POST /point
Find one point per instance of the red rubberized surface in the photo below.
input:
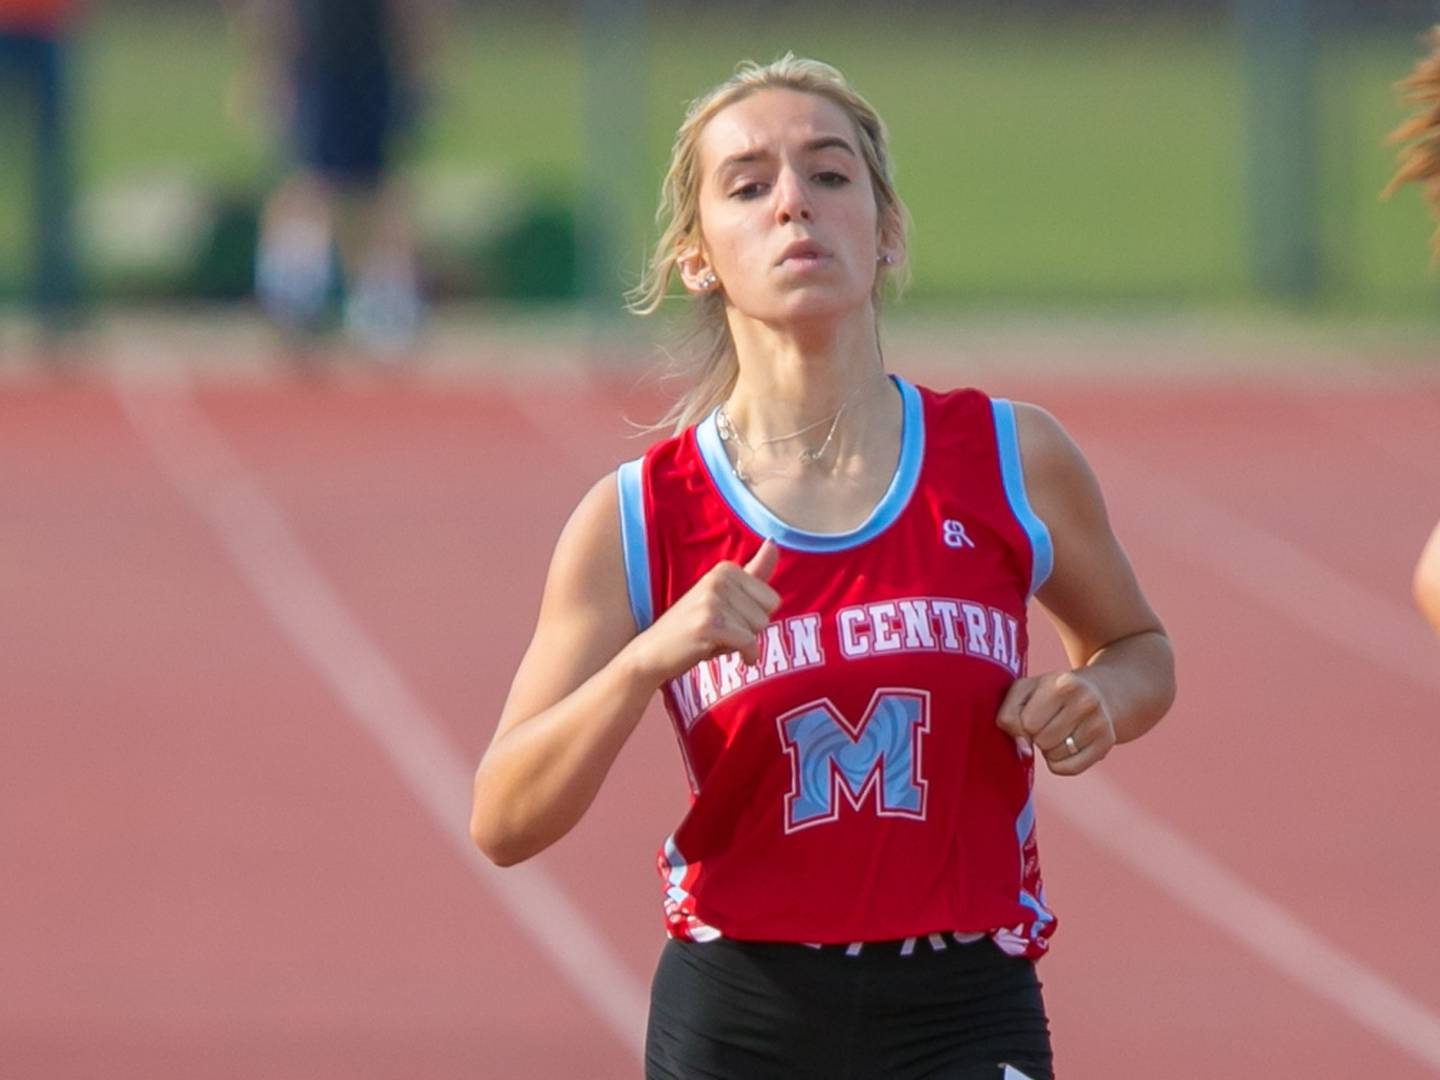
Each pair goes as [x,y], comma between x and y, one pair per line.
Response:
[213,871]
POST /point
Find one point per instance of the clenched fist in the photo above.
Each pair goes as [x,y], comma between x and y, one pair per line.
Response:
[725,611]
[1063,716]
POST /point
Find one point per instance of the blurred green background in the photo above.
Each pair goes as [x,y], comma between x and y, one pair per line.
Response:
[1092,161]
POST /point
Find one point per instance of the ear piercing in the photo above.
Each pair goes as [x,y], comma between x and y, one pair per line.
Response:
[887,259]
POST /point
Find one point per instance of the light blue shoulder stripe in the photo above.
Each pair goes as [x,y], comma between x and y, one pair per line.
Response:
[634,542]
[1012,471]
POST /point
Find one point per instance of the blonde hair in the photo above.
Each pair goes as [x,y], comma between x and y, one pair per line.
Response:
[714,368]
[1419,136]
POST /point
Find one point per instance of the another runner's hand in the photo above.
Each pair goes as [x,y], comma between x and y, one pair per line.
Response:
[725,611]
[1042,711]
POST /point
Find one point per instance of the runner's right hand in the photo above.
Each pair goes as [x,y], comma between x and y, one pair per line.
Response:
[725,611]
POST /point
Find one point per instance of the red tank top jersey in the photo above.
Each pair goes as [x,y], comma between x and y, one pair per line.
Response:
[852,785]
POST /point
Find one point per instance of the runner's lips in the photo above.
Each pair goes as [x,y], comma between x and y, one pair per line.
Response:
[803,249]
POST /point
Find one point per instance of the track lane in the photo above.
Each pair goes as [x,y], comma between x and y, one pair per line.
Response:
[212,852]
[1305,1012]
[1175,984]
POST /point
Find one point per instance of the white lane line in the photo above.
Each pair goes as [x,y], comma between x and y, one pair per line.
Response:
[1281,575]
[1118,824]
[253,531]
[552,413]
[1409,443]
[1291,582]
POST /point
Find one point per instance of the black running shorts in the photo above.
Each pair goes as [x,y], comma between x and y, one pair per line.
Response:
[730,1010]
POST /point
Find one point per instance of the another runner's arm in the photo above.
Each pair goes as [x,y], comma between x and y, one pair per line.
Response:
[1123,677]
[1427,580]
[587,676]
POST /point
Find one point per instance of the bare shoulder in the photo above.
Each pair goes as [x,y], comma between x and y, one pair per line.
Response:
[1427,580]
[1430,557]
[1092,593]
[588,564]
[1058,479]
[584,615]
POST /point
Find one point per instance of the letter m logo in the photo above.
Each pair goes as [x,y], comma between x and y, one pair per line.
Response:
[830,756]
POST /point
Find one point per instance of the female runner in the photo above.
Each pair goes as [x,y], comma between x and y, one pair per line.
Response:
[825,574]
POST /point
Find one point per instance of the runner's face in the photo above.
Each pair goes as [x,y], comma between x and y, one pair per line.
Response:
[788,218]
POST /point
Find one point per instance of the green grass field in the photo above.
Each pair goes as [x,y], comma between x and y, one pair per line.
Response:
[1085,164]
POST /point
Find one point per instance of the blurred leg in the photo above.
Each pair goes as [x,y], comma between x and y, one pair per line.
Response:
[57,292]
[34,94]
[293,264]
[384,308]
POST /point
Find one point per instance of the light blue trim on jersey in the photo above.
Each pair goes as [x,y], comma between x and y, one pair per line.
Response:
[1025,823]
[697,929]
[1012,470]
[763,521]
[1042,916]
[1024,826]
[676,877]
[633,541]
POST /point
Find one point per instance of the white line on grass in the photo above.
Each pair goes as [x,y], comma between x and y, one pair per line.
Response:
[1289,580]
[253,531]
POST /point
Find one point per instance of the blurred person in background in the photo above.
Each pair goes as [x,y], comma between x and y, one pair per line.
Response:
[825,574]
[1419,138]
[36,93]
[346,79]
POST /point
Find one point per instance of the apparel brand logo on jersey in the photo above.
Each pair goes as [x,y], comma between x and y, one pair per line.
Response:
[830,756]
[953,533]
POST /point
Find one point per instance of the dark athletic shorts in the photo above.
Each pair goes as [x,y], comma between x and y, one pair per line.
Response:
[346,122]
[731,1010]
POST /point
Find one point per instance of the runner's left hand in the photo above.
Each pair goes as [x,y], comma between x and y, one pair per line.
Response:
[1042,711]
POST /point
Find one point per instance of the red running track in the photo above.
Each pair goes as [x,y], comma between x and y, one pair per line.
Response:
[218,865]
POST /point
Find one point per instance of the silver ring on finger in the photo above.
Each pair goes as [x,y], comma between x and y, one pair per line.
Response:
[1072,745]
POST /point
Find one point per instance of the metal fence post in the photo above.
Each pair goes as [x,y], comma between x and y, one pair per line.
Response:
[614,86]
[1278,43]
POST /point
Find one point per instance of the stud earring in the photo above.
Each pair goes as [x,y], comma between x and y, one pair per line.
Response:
[887,259]
[708,280]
